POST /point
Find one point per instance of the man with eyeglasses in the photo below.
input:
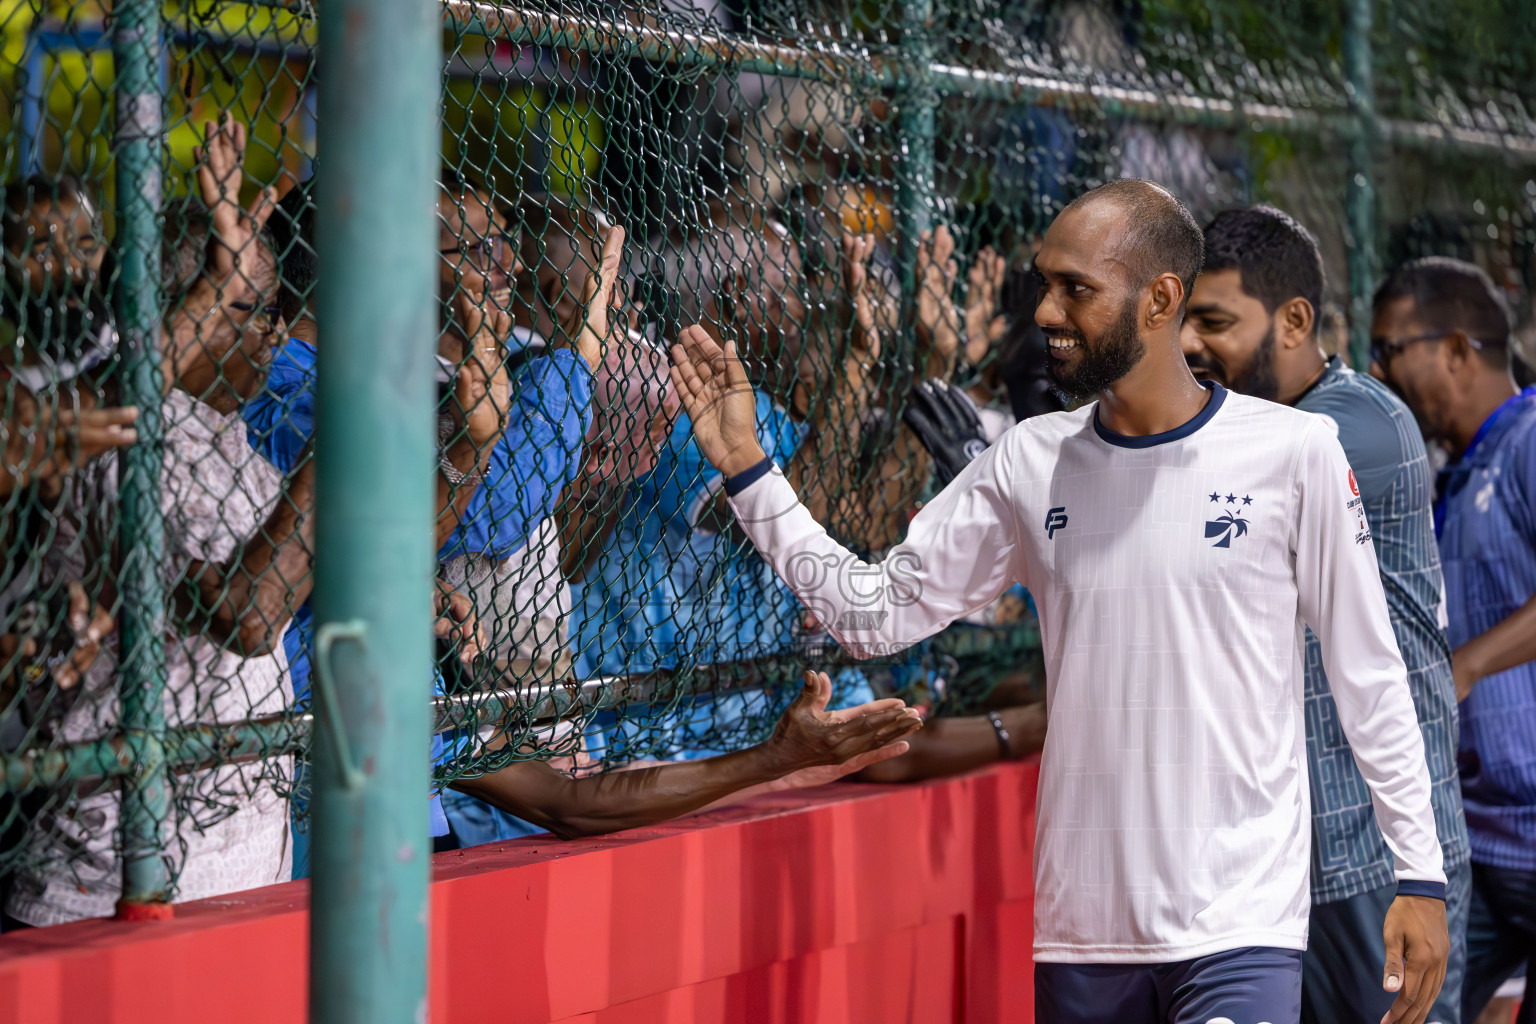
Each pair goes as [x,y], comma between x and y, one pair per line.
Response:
[1253,326]
[1440,337]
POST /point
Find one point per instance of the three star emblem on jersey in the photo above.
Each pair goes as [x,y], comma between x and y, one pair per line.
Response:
[1228,524]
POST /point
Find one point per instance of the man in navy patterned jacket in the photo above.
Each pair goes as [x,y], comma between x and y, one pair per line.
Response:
[1252,325]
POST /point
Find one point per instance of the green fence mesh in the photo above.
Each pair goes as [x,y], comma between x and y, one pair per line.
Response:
[848,190]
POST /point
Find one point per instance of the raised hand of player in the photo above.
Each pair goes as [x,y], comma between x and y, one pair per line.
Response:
[457,623]
[1418,946]
[719,401]
[808,735]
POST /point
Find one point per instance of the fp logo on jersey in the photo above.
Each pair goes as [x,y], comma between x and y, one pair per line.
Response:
[1055,519]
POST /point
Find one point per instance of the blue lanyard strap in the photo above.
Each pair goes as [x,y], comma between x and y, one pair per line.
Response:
[1504,408]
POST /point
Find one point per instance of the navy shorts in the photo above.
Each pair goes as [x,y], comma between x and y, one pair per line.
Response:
[1254,985]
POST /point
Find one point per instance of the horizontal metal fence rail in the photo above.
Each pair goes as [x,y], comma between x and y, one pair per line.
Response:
[836,63]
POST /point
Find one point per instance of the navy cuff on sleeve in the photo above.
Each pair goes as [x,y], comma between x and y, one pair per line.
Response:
[734,485]
[1414,887]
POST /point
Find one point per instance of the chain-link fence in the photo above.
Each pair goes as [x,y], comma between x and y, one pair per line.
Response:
[849,191]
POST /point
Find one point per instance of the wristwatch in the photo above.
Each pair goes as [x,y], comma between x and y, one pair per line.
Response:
[1004,741]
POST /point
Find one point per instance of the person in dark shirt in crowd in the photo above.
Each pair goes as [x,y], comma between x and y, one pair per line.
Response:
[1440,336]
[1252,325]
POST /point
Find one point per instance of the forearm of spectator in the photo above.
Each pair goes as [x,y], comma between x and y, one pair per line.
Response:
[949,746]
[1510,643]
[245,603]
[808,739]
[471,461]
[598,804]
[588,513]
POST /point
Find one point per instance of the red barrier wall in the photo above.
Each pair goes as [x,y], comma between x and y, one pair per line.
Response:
[853,904]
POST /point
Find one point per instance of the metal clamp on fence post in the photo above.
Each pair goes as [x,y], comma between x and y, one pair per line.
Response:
[355,630]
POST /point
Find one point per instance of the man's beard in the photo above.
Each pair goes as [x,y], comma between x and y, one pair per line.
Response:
[1104,363]
[1258,382]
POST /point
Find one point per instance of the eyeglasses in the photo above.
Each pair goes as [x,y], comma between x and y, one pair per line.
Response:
[487,252]
[270,313]
[1384,350]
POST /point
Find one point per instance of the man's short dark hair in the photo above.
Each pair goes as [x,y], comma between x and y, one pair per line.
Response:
[1161,235]
[291,231]
[1453,295]
[1277,258]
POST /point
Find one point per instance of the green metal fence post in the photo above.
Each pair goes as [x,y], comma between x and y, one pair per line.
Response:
[1361,200]
[917,100]
[379,83]
[136,49]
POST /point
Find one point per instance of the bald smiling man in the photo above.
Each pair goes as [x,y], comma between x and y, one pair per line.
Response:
[1177,539]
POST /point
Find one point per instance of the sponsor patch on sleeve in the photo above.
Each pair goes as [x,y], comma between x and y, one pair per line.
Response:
[1356,508]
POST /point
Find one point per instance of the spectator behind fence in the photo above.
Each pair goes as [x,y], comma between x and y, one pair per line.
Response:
[523,600]
[54,327]
[671,588]
[809,745]
[478,428]
[238,557]
[1441,337]
[1253,325]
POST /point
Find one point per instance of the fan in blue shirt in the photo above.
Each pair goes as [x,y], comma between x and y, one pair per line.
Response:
[1441,337]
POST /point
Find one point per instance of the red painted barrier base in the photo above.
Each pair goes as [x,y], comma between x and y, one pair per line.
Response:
[853,904]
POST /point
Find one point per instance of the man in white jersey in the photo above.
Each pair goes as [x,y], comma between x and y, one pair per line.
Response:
[1177,539]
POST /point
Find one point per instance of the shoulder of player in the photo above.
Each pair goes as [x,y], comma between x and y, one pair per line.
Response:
[1051,424]
[1283,433]
[1246,413]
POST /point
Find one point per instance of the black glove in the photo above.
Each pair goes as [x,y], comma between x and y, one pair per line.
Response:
[944,419]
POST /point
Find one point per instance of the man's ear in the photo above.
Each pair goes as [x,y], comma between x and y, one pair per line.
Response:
[1295,321]
[1166,301]
[1459,350]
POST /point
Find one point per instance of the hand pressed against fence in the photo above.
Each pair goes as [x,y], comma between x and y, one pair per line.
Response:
[810,745]
[43,444]
[26,659]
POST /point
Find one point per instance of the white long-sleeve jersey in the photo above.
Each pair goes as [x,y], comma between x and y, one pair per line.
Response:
[1173,575]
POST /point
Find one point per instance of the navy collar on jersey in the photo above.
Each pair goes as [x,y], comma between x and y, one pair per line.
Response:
[1201,418]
